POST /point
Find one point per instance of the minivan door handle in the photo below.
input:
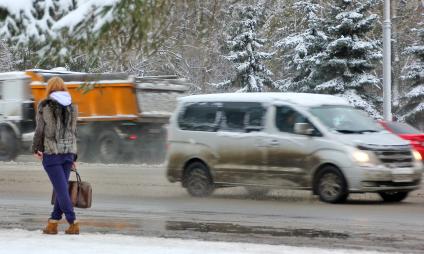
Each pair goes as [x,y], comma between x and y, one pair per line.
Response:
[274,142]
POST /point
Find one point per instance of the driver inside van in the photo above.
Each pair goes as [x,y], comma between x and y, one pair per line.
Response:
[287,118]
[288,123]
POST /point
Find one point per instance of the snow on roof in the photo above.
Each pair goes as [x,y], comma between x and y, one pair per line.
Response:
[13,75]
[303,99]
[57,70]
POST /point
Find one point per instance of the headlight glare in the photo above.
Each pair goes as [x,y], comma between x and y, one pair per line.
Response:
[417,155]
[361,156]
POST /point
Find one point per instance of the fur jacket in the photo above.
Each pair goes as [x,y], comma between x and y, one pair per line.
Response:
[56,126]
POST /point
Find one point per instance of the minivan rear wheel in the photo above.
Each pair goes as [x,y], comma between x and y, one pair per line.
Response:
[331,185]
[396,196]
[198,181]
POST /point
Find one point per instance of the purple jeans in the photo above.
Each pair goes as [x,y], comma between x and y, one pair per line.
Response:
[58,168]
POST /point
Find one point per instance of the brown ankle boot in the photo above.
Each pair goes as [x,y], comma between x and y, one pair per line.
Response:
[51,228]
[73,229]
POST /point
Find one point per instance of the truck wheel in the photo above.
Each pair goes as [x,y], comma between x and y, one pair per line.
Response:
[109,147]
[394,196]
[198,181]
[9,145]
[331,186]
[85,150]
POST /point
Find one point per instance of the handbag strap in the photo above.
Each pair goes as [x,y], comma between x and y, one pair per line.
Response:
[77,175]
[78,180]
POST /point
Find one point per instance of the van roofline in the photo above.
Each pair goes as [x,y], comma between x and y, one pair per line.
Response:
[303,99]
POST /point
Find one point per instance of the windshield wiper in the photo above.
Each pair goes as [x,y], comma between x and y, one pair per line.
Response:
[354,131]
[347,131]
[362,131]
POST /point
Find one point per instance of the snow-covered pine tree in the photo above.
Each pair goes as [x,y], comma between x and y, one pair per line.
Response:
[301,49]
[346,67]
[245,51]
[28,22]
[6,57]
[413,101]
[115,33]
[28,26]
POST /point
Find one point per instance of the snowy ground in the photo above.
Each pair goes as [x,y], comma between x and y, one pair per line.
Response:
[23,241]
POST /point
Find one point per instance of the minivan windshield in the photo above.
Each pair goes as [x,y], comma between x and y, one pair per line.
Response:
[345,119]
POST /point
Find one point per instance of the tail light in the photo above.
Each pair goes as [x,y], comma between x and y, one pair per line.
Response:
[132,137]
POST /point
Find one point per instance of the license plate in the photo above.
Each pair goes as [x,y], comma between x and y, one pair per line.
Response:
[402,178]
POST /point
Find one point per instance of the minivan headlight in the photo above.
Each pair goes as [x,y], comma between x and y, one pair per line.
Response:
[361,156]
[417,155]
[364,158]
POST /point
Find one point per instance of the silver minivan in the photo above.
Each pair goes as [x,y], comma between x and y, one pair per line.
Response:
[287,140]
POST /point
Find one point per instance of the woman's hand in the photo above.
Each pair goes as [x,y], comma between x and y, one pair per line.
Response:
[38,155]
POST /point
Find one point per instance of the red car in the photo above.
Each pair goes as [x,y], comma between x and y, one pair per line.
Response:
[407,132]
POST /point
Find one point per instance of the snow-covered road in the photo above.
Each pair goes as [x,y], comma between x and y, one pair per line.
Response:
[18,241]
[137,200]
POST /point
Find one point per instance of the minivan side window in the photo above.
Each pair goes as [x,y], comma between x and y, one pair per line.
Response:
[242,116]
[256,117]
[286,118]
[199,117]
[233,119]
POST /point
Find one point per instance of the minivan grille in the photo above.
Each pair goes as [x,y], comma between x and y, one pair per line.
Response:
[399,159]
[393,157]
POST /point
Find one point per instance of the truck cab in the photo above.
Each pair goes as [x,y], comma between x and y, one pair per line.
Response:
[17,116]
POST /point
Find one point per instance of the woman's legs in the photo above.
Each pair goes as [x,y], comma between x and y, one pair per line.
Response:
[58,169]
[57,212]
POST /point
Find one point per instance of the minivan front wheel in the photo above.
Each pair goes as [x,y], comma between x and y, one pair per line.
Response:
[331,185]
[198,181]
[393,196]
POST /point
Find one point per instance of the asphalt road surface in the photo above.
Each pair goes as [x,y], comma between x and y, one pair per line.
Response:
[138,200]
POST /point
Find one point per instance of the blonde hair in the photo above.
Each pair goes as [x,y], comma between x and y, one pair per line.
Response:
[55,84]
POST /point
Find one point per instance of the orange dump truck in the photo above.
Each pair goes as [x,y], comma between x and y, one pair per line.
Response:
[121,118]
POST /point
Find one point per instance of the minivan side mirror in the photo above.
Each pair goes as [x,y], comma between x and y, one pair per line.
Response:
[303,129]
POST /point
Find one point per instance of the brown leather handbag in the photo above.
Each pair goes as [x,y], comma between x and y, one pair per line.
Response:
[80,192]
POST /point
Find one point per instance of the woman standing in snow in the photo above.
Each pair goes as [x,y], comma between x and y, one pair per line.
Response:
[55,144]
